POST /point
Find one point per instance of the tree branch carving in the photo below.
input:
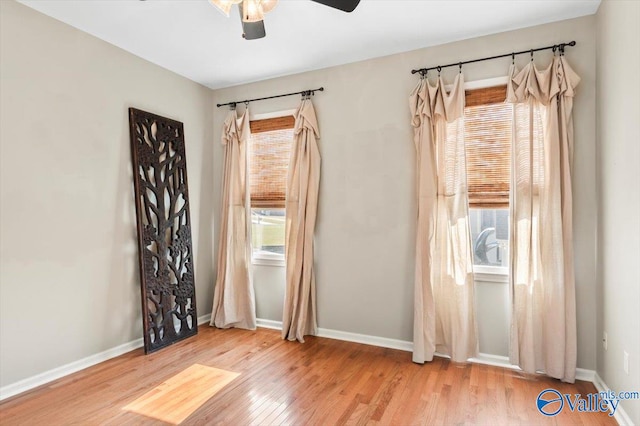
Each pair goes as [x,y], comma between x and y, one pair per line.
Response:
[164,230]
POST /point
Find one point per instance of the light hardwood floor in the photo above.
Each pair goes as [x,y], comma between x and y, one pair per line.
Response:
[322,382]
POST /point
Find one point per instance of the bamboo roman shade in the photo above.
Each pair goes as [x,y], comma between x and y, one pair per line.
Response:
[487,127]
[270,149]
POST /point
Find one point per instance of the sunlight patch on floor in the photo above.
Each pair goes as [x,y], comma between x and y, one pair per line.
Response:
[178,397]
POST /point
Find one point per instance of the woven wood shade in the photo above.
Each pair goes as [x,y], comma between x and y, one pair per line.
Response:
[485,96]
[271,124]
[487,127]
[270,146]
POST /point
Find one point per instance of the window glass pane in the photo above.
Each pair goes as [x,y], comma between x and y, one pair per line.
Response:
[490,236]
[267,232]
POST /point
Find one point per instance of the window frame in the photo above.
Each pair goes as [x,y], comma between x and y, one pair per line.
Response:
[263,258]
[485,273]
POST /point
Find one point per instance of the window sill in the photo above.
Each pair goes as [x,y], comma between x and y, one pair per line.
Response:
[491,274]
[267,259]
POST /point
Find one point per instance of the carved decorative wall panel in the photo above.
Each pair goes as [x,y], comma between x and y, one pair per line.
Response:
[164,229]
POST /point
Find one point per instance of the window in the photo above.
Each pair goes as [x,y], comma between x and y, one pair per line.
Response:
[267,235]
[488,126]
[270,148]
[490,234]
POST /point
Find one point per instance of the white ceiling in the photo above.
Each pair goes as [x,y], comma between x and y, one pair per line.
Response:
[193,39]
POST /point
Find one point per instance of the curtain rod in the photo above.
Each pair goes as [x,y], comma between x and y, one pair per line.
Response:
[303,92]
[559,47]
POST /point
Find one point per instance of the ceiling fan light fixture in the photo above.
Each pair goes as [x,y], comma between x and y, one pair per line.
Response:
[224,6]
[252,11]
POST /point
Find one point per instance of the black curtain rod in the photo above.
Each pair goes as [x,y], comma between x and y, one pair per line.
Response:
[303,92]
[559,47]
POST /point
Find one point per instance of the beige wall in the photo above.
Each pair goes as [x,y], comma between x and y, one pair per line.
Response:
[68,276]
[618,170]
[366,223]
[69,284]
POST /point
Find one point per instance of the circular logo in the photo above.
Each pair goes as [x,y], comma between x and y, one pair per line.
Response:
[549,402]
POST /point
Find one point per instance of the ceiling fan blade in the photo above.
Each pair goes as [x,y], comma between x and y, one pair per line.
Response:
[251,30]
[344,5]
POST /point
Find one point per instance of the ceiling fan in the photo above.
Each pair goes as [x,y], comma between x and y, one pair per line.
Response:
[253,11]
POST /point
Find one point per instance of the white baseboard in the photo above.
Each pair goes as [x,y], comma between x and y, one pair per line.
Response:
[585,375]
[204,319]
[346,336]
[265,323]
[620,415]
[56,373]
[75,366]
[493,360]
[403,345]
[383,342]
[503,361]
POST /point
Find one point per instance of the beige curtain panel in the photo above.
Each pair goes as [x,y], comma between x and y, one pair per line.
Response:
[543,327]
[233,299]
[303,181]
[444,312]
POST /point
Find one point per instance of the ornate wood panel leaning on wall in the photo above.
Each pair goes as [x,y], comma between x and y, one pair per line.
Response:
[164,229]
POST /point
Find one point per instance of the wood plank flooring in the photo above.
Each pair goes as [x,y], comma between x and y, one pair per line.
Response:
[177,398]
[320,382]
